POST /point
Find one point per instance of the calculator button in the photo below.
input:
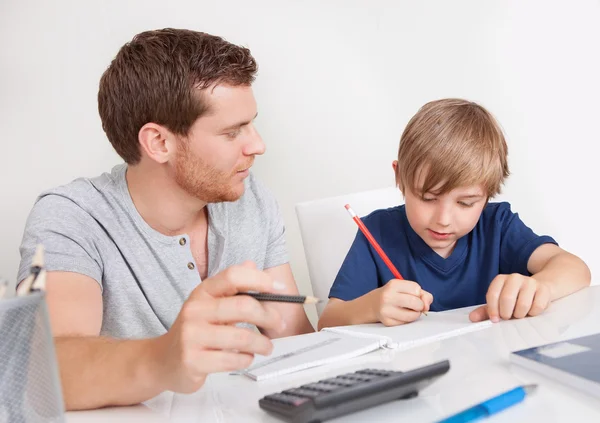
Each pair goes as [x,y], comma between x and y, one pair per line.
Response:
[322,387]
[341,381]
[299,392]
[361,378]
[287,399]
[377,372]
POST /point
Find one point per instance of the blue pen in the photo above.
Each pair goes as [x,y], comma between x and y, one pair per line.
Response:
[491,406]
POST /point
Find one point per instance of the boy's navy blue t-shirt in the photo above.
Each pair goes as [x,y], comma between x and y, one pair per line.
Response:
[500,243]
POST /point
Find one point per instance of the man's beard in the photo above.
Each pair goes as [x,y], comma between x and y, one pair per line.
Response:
[200,180]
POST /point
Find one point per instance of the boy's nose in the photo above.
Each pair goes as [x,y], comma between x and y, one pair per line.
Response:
[443,216]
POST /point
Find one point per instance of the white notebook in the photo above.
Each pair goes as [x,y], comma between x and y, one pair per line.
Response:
[331,345]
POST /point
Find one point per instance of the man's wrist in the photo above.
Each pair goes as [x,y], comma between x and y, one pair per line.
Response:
[152,368]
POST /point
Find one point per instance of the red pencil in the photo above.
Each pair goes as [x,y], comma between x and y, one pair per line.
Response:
[375,245]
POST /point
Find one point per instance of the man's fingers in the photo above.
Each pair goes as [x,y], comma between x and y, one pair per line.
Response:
[223,337]
[493,296]
[223,361]
[479,314]
[236,309]
[238,279]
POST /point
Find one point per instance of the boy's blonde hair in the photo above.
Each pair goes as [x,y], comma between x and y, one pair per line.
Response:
[457,143]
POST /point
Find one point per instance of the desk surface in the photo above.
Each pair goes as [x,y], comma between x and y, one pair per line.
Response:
[479,370]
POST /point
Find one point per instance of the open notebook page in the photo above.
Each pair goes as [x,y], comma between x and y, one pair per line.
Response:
[427,329]
[301,352]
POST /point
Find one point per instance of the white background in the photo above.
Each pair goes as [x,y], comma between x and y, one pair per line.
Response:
[338,81]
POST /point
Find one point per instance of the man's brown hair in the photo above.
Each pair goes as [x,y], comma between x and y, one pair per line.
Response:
[157,77]
[457,143]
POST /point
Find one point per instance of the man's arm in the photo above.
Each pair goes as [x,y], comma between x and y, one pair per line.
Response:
[97,371]
[294,315]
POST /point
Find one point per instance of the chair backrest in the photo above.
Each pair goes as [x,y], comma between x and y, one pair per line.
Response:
[327,232]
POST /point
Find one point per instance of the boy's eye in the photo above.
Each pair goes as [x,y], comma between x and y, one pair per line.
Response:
[462,203]
[428,199]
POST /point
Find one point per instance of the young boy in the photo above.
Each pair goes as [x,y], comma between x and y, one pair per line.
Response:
[453,248]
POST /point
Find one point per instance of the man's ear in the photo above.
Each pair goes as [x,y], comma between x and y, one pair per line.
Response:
[157,142]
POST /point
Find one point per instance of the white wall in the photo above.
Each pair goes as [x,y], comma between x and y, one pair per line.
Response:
[338,80]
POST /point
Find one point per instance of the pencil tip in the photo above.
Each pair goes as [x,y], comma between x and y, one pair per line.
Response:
[530,389]
[312,300]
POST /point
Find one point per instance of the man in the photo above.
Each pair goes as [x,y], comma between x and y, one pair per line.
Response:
[145,262]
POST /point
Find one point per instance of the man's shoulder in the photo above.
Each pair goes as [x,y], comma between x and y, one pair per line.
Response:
[81,196]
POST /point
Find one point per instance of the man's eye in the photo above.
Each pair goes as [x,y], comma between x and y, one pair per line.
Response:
[233,134]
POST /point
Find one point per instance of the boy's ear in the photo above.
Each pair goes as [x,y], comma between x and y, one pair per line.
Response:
[397,177]
[396,174]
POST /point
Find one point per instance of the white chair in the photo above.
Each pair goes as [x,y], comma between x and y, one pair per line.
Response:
[327,232]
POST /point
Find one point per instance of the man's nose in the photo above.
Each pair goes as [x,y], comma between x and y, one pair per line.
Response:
[255,144]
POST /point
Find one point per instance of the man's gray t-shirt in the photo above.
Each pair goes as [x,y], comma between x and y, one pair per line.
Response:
[92,227]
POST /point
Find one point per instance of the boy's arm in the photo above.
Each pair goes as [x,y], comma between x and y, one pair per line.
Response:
[555,274]
[395,303]
[342,313]
[562,272]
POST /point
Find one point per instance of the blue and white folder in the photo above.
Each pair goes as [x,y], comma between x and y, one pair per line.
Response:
[575,362]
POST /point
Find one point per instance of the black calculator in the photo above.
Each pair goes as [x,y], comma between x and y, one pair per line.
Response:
[347,393]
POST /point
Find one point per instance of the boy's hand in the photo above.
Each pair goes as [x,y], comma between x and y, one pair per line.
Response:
[513,296]
[399,302]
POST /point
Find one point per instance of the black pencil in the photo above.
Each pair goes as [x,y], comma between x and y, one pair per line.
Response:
[299,299]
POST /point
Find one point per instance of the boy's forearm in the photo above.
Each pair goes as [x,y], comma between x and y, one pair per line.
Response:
[355,312]
[97,372]
[564,274]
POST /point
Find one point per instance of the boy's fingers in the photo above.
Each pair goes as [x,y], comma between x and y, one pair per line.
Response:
[408,301]
[479,314]
[493,296]
[407,287]
[508,296]
[540,302]
[524,300]
[427,299]
[400,314]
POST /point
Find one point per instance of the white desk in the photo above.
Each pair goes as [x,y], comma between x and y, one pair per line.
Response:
[479,369]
